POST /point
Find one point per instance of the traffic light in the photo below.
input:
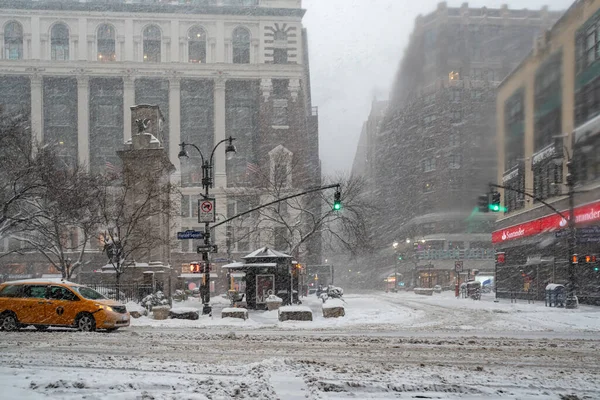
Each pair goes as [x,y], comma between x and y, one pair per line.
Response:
[401,256]
[495,203]
[337,201]
[195,268]
[574,259]
[483,203]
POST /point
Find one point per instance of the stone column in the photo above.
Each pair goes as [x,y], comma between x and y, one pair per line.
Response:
[128,101]
[35,39]
[174,120]
[83,114]
[175,57]
[82,51]
[37,111]
[220,172]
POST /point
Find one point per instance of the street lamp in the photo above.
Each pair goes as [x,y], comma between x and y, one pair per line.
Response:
[407,240]
[207,182]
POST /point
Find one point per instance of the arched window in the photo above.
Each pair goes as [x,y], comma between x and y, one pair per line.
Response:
[13,41]
[241,46]
[59,42]
[106,43]
[196,45]
[152,44]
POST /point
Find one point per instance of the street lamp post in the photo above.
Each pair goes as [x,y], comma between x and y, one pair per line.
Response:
[395,245]
[207,183]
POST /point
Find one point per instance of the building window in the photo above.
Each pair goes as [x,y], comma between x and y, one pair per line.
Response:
[13,41]
[547,179]
[429,119]
[455,95]
[197,45]
[428,165]
[59,42]
[513,200]
[108,115]
[243,239]
[514,130]
[588,46]
[453,140]
[454,161]
[476,94]
[280,240]
[241,46]
[106,43]
[185,206]
[428,187]
[456,116]
[230,209]
[280,112]
[548,102]
[152,44]
[280,56]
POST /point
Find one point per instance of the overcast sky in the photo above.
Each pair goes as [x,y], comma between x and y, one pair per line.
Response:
[355,47]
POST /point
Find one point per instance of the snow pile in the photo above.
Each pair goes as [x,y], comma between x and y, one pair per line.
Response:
[295,309]
[183,310]
[134,307]
[274,299]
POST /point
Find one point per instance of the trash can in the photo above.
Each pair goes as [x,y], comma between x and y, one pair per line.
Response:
[555,295]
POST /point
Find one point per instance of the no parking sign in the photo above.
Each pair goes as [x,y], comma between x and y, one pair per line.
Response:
[206,210]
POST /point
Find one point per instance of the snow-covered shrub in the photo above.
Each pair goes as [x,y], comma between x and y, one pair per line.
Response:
[180,295]
[155,299]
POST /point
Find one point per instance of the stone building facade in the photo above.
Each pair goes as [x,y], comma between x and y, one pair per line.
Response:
[216,68]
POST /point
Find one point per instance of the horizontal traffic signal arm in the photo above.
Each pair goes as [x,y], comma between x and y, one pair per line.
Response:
[317,189]
[493,185]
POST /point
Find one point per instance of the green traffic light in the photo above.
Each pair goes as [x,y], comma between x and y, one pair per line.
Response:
[596,269]
[497,208]
[337,206]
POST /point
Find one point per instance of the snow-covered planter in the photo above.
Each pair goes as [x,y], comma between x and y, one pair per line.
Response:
[155,299]
[274,302]
[184,313]
[160,312]
[333,308]
[295,313]
[232,312]
[424,291]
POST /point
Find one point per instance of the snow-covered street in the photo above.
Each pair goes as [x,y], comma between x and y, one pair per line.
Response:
[388,346]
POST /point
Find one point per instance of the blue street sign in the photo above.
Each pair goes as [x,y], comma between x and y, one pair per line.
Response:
[190,234]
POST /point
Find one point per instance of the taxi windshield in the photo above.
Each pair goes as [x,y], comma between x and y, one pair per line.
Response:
[89,293]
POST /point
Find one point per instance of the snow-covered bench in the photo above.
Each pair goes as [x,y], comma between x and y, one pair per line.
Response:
[232,312]
[184,313]
[333,308]
[295,313]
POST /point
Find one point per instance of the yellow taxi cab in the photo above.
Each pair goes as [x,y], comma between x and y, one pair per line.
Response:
[46,302]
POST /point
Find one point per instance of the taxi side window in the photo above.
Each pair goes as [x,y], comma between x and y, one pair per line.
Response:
[62,293]
[35,291]
[12,291]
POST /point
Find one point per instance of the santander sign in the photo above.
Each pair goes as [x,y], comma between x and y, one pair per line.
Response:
[583,214]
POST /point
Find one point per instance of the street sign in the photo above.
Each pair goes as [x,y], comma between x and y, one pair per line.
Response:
[190,234]
[207,248]
[458,266]
[206,210]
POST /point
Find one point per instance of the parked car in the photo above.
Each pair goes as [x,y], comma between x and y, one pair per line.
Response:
[43,303]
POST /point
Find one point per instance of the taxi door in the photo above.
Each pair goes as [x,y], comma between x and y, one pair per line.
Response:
[32,306]
[62,307]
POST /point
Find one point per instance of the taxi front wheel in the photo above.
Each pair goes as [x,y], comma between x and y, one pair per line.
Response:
[85,322]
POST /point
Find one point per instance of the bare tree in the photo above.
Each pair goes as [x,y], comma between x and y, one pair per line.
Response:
[136,215]
[297,223]
[19,180]
[63,217]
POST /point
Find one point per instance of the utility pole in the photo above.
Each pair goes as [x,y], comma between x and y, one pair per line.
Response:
[571,300]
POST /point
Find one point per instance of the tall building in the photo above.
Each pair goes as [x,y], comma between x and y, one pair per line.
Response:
[548,114]
[216,68]
[435,149]
[364,159]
